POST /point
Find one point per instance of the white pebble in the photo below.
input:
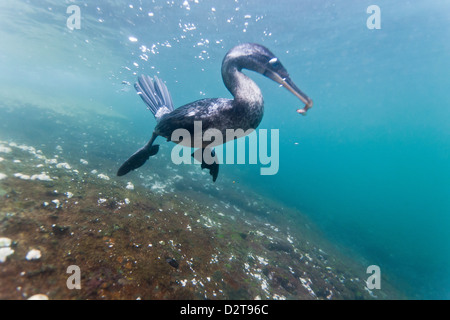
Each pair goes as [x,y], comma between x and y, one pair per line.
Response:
[127,201]
[4,253]
[5,242]
[43,177]
[101,201]
[33,254]
[69,194]
[56,202]
[2,176]
[63,165]
[130,186]
[5,149]
[83,161]
[39,296]
[103,176]
[22,176]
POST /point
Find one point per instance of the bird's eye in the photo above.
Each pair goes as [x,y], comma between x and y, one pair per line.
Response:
[273,61]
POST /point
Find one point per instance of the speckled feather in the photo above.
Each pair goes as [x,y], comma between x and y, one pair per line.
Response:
[219,113]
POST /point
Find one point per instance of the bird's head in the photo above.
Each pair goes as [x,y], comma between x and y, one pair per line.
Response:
[258,58]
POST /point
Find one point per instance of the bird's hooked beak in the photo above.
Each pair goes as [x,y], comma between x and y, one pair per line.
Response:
[290,85]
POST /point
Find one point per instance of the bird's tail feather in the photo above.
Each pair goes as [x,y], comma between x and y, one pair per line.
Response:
[155,95]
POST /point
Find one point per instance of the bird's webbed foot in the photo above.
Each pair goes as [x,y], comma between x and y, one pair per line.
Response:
[208,159]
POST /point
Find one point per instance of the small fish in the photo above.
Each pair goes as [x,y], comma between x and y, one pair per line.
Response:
[302,112]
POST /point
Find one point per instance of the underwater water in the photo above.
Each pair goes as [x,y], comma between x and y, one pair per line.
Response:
[363,179]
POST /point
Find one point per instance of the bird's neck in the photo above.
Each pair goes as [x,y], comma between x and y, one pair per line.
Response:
[245,90]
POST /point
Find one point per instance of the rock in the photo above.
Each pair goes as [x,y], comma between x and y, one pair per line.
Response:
[278,246]
[22,176]
[173,262]
[4,253]
[57,203]
[43,177]
[33,254]
[103,176]
[39,296]
[63,165]
[69,194]
[5,149]
[60,230]
[5,242]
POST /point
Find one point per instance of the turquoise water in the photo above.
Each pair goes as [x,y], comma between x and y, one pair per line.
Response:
[370,162]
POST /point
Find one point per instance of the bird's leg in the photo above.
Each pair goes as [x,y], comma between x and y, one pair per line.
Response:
[139,157]
[213,165]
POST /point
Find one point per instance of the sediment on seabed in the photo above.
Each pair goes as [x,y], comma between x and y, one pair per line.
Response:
[166,234]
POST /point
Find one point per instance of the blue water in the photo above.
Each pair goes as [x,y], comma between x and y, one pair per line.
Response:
[370,162]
